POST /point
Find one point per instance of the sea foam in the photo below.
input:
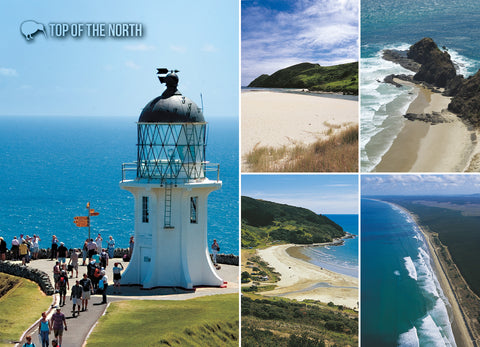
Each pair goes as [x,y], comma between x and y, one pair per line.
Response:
[412,272]
[409,338]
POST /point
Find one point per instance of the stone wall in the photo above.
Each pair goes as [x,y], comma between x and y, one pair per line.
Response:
[35,275]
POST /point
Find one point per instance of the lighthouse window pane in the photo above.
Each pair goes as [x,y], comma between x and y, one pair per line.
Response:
[145,209]
[193,209]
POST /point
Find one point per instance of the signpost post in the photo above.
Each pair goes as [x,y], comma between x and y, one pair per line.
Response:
[84,221]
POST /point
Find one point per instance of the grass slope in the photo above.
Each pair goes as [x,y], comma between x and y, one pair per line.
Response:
[282,322]
[206,321]
[264,222]
[338,78]
[21,304]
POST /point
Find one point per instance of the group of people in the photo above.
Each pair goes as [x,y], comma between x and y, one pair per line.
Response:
[23,248]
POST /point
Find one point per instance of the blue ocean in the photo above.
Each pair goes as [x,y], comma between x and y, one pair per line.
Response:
[402,303]
[51,167]
[341,259]
[393,24]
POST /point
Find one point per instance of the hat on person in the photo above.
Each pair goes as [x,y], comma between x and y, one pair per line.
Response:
[61,243]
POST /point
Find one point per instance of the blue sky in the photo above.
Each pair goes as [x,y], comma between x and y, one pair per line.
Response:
[278,34]
[116,76]
[321,193]
[407,184]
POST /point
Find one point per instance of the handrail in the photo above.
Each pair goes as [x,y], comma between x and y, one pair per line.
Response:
[133,167]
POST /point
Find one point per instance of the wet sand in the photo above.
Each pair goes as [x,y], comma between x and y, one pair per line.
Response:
[301,280]
[422,147]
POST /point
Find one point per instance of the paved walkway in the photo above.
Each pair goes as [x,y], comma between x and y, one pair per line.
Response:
[79,327]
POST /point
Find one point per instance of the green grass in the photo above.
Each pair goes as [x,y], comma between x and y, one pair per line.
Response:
[21,305]
[338,153]
[206,321]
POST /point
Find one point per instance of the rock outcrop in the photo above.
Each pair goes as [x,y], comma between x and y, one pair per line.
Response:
[466,100]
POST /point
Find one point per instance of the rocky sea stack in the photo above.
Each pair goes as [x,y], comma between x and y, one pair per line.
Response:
[434,68]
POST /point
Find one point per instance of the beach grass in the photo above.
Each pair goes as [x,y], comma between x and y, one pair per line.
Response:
[205,321]
[21,304]
[337,153]
[257,268]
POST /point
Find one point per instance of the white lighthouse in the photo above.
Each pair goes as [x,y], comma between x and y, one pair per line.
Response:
[171,192]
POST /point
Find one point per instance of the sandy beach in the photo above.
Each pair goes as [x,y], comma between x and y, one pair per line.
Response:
[421,147]
[459,326]
[276,119]
[301,280]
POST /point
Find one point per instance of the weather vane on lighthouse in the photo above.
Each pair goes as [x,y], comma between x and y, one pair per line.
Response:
[171,191]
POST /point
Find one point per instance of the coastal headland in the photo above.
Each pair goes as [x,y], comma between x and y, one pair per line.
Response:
[437,135]
[462,322]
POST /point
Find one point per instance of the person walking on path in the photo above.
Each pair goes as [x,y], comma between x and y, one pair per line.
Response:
[29,342]
[58,323]
[62,253]
[3,248]
[117,276]
[63,286]
[215,249]
[73,262]
[104,282]
[56,274]
[44,329]
[104,259]
[111,247]
[53,253]
[76,296]
[87,288]
[85,252]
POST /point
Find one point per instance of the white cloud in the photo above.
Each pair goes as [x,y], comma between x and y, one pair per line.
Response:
[140,47]
[7,71]
[178,49]
[130,64]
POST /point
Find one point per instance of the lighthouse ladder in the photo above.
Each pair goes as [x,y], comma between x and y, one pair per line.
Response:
[168,207]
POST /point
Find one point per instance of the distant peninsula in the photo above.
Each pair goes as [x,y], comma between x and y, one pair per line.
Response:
[333,79]
[264,222]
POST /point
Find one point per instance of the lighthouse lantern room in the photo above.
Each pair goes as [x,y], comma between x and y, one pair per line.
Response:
[170,192]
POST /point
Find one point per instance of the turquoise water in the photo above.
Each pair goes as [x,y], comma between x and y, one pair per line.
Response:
[341,259]
[402,302]
[397,25]
[51,166]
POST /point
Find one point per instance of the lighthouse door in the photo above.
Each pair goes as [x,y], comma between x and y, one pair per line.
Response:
[146,261]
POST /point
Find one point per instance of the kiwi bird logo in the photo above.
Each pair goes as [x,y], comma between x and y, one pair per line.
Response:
[29,28]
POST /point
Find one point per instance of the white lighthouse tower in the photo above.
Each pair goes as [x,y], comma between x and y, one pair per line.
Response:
[171,192]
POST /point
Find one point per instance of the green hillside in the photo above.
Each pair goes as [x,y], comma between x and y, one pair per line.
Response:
[338,78]
[264,222]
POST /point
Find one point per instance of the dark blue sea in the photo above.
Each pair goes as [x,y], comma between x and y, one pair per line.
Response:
[50,167]
[341,259]
[397,24]
[402,303]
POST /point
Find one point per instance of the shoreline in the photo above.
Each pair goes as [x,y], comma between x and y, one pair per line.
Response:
[459,325]
[302,280]
[276,119]
[454,141]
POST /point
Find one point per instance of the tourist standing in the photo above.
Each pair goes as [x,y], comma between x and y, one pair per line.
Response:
[44,329]
[35,246]
[215,249]
[92,248]
[3,248]
[85,251]
[53,253]
[98,241]
[130,248]
[76,296]
[117,276]
[58,323]
[23,250]
[104,259]
[87,288]
[111,247]
[15,248]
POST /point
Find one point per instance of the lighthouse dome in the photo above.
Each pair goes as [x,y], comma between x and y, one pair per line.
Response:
[171,106]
